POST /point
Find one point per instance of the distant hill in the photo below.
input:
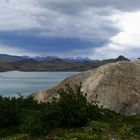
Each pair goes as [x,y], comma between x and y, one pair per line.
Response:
[122,58]
[24,63]
[78,59]
[46,58]
[4,58]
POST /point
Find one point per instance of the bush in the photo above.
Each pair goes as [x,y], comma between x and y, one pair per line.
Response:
[71,110]
[25,115]
[12,113]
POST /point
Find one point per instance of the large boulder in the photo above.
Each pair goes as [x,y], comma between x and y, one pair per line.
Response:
[115,86]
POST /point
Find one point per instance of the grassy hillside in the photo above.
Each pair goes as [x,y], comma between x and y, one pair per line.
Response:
[70,117]
[93,130]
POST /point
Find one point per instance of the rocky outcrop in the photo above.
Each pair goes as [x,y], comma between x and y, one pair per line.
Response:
[47,94]
[115,86]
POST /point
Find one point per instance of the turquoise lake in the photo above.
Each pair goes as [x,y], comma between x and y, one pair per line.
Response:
[14,82]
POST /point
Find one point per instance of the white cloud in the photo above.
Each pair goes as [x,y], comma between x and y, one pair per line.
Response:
[18,15]
[130,34]
[15,51]
[30,14]
[127,41]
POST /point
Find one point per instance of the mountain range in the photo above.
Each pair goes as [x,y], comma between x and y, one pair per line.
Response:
[12,58]
[49,63]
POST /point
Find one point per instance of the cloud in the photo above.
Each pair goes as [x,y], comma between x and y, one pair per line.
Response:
[30,14]
[127,41]
[18,14]
[105,26]
[75,6]
[15,51]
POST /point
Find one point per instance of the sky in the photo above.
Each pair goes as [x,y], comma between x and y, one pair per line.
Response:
[97,29]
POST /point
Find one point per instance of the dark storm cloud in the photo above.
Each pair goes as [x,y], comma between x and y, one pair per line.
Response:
[46,46]
[76,6]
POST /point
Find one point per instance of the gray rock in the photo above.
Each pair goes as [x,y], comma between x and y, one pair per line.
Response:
[115,86]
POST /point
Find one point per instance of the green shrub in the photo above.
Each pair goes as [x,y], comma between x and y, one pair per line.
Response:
[12,113]
[70,110]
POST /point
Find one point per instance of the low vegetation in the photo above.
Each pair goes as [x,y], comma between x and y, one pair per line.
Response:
[70,117]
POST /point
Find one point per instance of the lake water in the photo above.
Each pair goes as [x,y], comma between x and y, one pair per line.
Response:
[14,82]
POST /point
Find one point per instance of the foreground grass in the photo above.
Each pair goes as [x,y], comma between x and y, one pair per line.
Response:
[98,130]
[71,117]
[117,128]
[17,137]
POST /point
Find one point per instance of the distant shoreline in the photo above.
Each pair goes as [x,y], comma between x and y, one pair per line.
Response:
[40,71]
